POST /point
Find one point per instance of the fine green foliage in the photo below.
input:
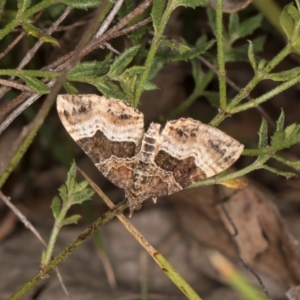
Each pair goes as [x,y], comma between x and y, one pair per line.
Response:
[122,61]
[284,75]
[158,8]
[36,32]
[281,139]
[36,85]
[189,3]
[290,22]
[70,193]
[23,5]
[82,4]
[91,68]
[238,30]
[129,74]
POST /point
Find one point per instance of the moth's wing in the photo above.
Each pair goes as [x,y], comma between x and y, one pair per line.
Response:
[108,130]
[158,183]
[193,151]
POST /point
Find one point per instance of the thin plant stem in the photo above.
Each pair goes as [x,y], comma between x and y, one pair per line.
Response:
[258,77]
[270,150]
[67,251]
[162,262]
[64,62]
[151,54]
[258,164]
[221,57]
[54,234]
[30,54]
[27,14]
[255,102]
[28,225]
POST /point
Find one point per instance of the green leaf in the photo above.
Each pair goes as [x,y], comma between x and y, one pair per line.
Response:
[150,86]
[291,163]
[287,175]
[132,71]
[122,61]
[82,4]
[109,89]
[293,12]
[233,27]
[179,47]
[172,51]
[158,9]
[39,34]
[49,39]
[82,196]
[63,192]
[277,138]
[129,86]
[91,68]
[241,53]
[81,186]
[201,79]
[258,43]
[289,20]
[70,88]
[197,73]
[251,56]
[285,137]
[70,220]
[128,80]
[56,207]
[280,122]
[248,26]
[284,75]
[213,98]
[36,85]
[263,135]
[211,16]
[71,177]
[291,130]
[237,54]
[157,65]
[23,5]
[189,3]
[203,45]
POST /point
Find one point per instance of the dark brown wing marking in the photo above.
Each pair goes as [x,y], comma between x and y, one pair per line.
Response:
[108,130]
[194,151]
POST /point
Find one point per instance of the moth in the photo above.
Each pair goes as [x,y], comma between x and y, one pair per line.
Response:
[148,164]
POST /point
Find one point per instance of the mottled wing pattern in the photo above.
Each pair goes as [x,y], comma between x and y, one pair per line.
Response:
[146,165]
[148,179]
[107,129]
[193,151]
